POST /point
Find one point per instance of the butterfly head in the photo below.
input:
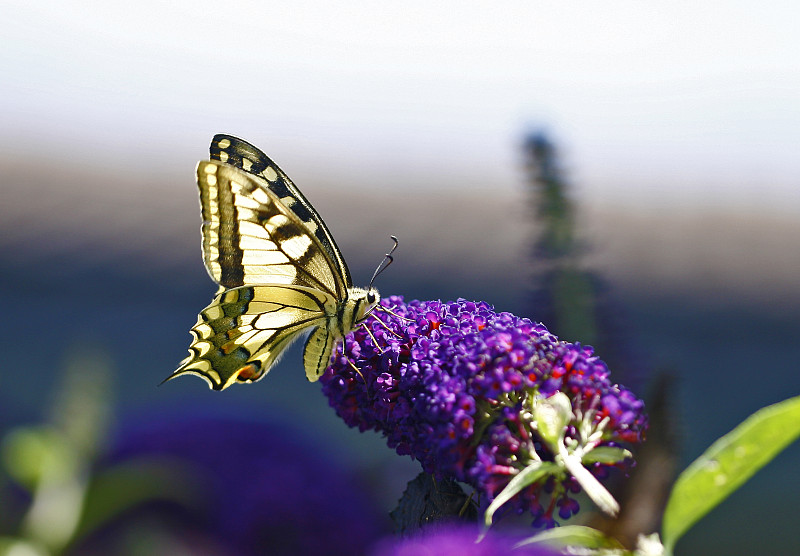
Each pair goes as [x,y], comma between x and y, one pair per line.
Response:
[363,301]
[370,296]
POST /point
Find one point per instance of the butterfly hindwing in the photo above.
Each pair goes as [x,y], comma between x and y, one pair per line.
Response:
[251,237]
[317,352]
[244,331]
[241,154]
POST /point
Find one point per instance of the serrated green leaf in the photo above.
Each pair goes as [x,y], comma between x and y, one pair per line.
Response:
[531,474]
[427,500]
[572,535]
[727,464]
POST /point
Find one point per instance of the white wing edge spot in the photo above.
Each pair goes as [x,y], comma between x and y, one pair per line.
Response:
[270,173]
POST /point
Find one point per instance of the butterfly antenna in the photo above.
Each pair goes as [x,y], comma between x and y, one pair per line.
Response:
[387,260]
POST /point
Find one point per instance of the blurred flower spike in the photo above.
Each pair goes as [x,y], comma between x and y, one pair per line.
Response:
[490,399]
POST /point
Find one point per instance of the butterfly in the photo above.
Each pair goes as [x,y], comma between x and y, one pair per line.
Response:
[279,271]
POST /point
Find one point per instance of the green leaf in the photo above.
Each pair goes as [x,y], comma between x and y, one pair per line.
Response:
[572,535]
[428,500]
[727,464]
[136,482]
[606,454]
[82,406]
[10,546]
[37,454]
[552,416]
[590,485]
[531,474]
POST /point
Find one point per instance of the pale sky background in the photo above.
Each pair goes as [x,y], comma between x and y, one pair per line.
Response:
[653,103]
[678,125]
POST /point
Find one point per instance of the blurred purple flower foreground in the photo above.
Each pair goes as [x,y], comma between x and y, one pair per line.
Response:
[457,541]
[232,486]
[456,386]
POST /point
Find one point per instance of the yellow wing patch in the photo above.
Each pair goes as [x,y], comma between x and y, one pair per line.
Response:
[244,331]
[251,237]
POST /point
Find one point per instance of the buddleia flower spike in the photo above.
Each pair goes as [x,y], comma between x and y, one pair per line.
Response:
[489,399]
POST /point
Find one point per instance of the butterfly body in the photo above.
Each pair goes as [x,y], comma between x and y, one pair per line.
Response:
[279,270]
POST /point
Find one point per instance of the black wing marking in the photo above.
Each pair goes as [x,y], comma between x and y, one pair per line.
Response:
[241,154]
[243,332]
[250,237]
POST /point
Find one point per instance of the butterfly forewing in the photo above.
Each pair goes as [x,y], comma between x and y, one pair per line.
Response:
[251,237]
[243,332]
[241,154]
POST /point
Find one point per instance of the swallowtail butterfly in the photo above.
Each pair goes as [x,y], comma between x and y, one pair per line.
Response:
[279,272]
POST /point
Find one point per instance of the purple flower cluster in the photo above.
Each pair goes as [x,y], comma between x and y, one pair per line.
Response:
[452,384]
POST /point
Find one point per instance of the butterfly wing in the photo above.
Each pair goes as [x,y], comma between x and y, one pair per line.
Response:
[244,331]
[251,237]
[241,154]
[279,270]
[317,352]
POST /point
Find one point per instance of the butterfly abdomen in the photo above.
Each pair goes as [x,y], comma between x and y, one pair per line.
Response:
[339,322]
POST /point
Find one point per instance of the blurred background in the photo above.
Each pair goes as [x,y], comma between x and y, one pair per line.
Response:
[670,131]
